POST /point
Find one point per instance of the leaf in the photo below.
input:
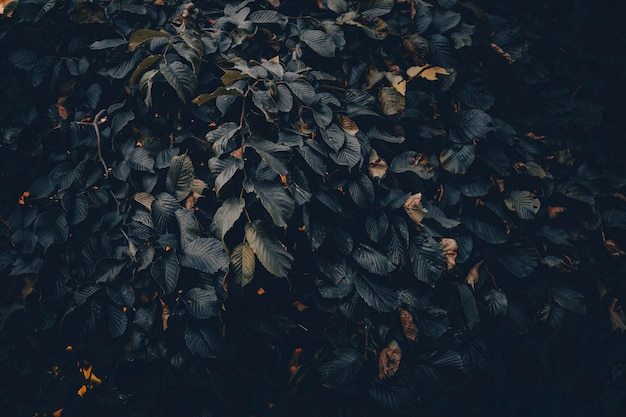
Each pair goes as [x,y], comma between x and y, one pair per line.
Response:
[143,66]
[497,303]
[485,231]
[458,159]
[242,263]
[413,162]
[219,92]
[117,320]
[276,201]
[51,229]
[469,305]
[334,137]
[204,342]
[264,102]
[372,260]
[520,260]
[391,101]
[524,203]
[470,125]
[219,137]
[409,328]
[376,226]
[180,177]
[205,254]
[427,259]
[188,225]
[163,211]
[226,216]
[181,78]
[361,190]
[341,370]
[569,299]
[303,90]
[23,59]
[320,42]
[226,169]
[141,160]
[107,43]
[201,302]
[166,270]
[267,16]
[350,154]
[389,360]
[427,72]
[141,36]
[108,269]
[270,252]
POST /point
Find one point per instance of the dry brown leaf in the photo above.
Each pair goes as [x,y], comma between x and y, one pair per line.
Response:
[553,212]
[408,325]
[347,124]
[473,276]
[449,247]
[618,320]
[397,82]
[165,314]
[413,207]
[427,72]
[377,166]
[237,153]
[389,360]
[613,249]
[503,53]
[29,285]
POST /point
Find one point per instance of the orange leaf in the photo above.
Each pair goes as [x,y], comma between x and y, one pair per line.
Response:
[408,325]
[473,276]
[389,360]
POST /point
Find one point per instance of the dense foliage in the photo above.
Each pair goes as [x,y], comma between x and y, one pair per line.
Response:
[312,208]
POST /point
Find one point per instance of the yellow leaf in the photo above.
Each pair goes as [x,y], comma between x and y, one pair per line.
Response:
[397,82]
[82,390]
[427,72]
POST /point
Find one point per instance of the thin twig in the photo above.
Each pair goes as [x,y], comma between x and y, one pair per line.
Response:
[95,126]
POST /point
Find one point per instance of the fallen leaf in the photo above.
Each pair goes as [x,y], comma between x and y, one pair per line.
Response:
[413,207]
[428,72]
[408,325]
[473,276]
[449,247]
[389,360]
[377,166]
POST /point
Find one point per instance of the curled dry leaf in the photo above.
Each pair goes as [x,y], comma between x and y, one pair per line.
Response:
[613,249]
[473,276]
[413,207]
[408,325]
[377,166]
[427,72]
[553,212]
[389,360]
[165,314]
[449,247]
[618,320]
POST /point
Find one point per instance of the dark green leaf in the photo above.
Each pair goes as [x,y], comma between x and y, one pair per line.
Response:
[51,229]
[270,252]
[470,125]
[372,260]
[524,203]
[204,342]
[361,190]
[379,297]
[226,216]
[107,43]
[303,90]
[242,262]
[205,254]
[428,260]
[278,203]
[117,320]
[457,159]
[341,370]
[569,299]
[201,302]
[469,305]
[320,42]
[163,211]
[181,78]
[520,260]
[180,176]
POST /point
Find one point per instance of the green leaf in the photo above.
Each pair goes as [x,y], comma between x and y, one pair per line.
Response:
[117,320]
[342,369]
[264,102]
[319,41]
[163,211]
[458,159]
[188,225]
[270,252]
[107,269]
[205,254]
[303,90]
[204,342]
[497,303]
[413,162]
[362,191]
[485,231]
[524,203]
[334,137]
[180,177]
[372,260]
[569,299]
[275,199]
[379,297]
[267,16]
[221,135]
[520,260]
[143,66]
[226,216]
[470,125]
[350,153]
[51,229]
[201,302]
[166,270]
[428,260]
[225,170]
[469,304]
[242,263]
[143,35]
[181,78]
[219,92]
[106,44]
